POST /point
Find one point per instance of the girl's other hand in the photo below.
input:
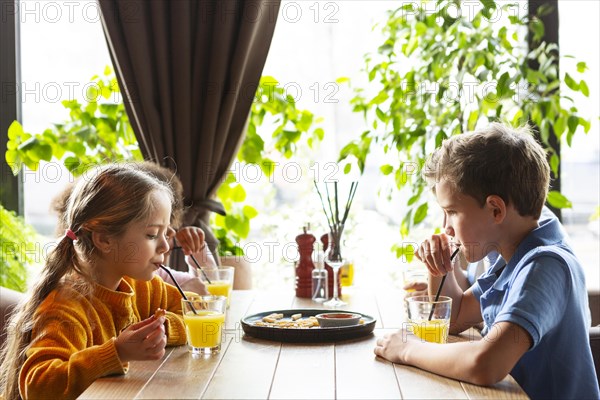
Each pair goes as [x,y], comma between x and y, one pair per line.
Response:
[145,340]
[191,239]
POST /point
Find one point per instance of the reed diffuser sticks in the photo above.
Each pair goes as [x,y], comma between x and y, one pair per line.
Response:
[336,225]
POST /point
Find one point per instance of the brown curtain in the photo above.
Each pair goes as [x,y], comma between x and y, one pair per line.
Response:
[188,71]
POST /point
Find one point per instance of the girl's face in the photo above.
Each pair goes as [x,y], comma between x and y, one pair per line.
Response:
[140,250]
[471,225]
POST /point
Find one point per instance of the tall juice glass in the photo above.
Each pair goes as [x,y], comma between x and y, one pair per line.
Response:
[429,319]
[219,281]
[204,317]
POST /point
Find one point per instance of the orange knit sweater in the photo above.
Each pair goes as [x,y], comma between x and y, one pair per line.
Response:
[72,339]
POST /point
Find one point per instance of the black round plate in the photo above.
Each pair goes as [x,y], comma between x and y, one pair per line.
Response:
[313,335]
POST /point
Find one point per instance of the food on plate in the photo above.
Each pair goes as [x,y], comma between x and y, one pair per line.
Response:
[294,322]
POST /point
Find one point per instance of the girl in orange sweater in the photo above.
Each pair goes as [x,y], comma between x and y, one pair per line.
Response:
[92,310]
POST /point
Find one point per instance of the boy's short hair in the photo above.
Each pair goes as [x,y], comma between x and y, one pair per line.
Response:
[497,160]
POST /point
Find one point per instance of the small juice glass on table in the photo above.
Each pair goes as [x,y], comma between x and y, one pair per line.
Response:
[204,317]
[429,319]
[221,281]
[413,274]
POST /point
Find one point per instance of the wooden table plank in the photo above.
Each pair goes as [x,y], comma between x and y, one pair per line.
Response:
[359,374]
[246,371]
[508,388]
[191,374]
[240,303]
[305,371]
[391,308]
[125,386]
[271,301]
[418,384]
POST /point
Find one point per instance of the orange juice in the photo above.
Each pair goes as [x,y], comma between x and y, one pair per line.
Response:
[435,331]
[204,328]
[220,288]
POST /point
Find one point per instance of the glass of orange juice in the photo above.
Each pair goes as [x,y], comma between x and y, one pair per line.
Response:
[219,281]
[413,274]
[428,318]
[204,317]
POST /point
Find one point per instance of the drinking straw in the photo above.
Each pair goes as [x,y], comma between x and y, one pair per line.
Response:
[197,265]
[200,268]
[437,295]
[178,287]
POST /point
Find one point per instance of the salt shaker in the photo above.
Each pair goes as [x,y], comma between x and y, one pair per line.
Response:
[320,291]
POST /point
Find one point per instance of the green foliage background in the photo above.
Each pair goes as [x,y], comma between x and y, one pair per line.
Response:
[99,132]
[436,75]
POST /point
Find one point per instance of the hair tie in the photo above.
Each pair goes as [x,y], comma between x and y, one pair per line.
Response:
[70,234]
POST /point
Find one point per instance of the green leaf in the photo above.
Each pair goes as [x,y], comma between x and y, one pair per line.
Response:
[342,79]
[554,162]
[583,88]
[572,123]
[581,67]
[586,124]
[249,212]
[570,82]
[319,133]
[347,168]
[559,126]
[15,130]
[472,122]
[381,115]
[386,169]
[558,200]
[545,130]
[537,27]
[238,194]
[544,10]
[421,213]
[411,45]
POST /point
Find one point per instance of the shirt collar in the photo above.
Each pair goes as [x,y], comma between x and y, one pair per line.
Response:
[549,232]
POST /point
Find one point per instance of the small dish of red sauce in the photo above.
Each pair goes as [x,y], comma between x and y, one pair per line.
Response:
[337,319]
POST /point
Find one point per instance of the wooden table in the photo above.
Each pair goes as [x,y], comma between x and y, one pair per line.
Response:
[248,368]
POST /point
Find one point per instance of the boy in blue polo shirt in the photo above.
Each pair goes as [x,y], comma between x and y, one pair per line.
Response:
[492,185]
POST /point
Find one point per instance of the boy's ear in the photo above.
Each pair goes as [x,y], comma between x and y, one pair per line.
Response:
[497,206]
[102,242]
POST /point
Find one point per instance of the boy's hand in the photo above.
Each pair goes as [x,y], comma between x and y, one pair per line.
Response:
[434,252]
[145,340]
[393,347]
[191,239]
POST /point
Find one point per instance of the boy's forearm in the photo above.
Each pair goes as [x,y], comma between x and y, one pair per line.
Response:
[455,360]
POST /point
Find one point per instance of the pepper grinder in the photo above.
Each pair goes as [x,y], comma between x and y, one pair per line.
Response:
[325,241]
[305,265]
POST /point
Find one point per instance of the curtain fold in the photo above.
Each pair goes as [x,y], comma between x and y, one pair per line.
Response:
[188,71]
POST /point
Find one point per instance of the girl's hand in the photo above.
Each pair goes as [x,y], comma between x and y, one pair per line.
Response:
[191,239]
[145,340]
[434,252]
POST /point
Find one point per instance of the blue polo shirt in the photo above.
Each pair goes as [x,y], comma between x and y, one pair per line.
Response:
[542,289]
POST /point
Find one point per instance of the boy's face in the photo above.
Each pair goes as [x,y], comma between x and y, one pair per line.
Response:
[466,221]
